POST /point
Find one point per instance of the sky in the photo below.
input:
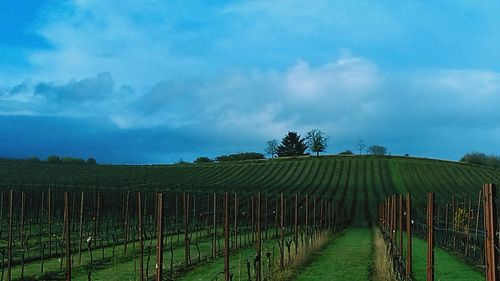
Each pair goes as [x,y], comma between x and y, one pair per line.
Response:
[158,81]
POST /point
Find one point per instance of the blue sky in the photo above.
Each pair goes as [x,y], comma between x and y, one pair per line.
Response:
[156,81]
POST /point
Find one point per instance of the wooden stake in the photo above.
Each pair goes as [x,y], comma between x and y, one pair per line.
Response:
[10,238]
[159,238]
[430,236]
[409,271]
[67,236]
[80,231]
[141,242]
[490,229]
[258,242]
[282,233]
[226,237]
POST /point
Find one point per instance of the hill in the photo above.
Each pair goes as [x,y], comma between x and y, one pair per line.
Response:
[358,182]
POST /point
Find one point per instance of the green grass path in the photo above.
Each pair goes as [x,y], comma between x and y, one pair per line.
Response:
[347,256]
[448,266]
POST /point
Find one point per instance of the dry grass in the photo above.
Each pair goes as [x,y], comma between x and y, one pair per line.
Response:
[302,258]
[382,263]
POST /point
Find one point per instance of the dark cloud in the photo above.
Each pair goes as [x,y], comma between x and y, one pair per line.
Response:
[87,89]
[428,113]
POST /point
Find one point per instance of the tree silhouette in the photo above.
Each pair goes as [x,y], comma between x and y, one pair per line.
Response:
[317,141]
[292,145]
[272,148]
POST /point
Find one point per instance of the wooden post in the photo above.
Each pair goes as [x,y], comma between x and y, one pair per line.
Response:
[141,242]
[400,225]
[430,236]
[296,228]
[185,198]
[235,222]
[21,234]
[67,236]
[490,230]
[282,233]
[214,226]
[408,238]
[10,238]
[80,231]
[226,237]
[394,221]
[127,207]
[477,217]
[314,212]
[159,237]
[49,218]
[258,273]
[307,215]
[467,228]
[453,219]
[266,218]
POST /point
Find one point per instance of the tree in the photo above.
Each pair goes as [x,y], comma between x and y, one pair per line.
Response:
[91,161]
[317,141]
[480,158]
[272,148]
[202,159]
[377,150]
[346,152]
[54,159]
[361,146]
[292,145]
[240,156]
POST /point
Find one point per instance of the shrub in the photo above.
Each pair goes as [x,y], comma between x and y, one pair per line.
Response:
[202,159]
[73,161]
[91,161]
[240,156]
[482,159]
[377,150]
[54,159]
[347,152]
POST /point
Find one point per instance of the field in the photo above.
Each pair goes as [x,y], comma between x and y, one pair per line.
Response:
[341,191]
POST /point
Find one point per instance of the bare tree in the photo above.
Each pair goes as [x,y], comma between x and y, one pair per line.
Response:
[272,148]
[361,145]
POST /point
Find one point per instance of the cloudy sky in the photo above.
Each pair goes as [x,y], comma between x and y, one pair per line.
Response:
[155,81]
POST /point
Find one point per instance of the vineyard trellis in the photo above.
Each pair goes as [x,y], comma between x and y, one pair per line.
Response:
[454,225]
[74,233]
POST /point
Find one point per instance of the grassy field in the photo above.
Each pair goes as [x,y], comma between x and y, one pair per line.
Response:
[347,256]
[447,267]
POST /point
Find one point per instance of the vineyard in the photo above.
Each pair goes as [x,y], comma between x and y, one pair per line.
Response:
[279,219]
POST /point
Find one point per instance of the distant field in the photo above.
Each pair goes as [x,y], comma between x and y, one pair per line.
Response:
[357,181]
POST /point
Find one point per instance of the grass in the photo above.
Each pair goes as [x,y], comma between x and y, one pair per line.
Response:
[346,257]
[447,266]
